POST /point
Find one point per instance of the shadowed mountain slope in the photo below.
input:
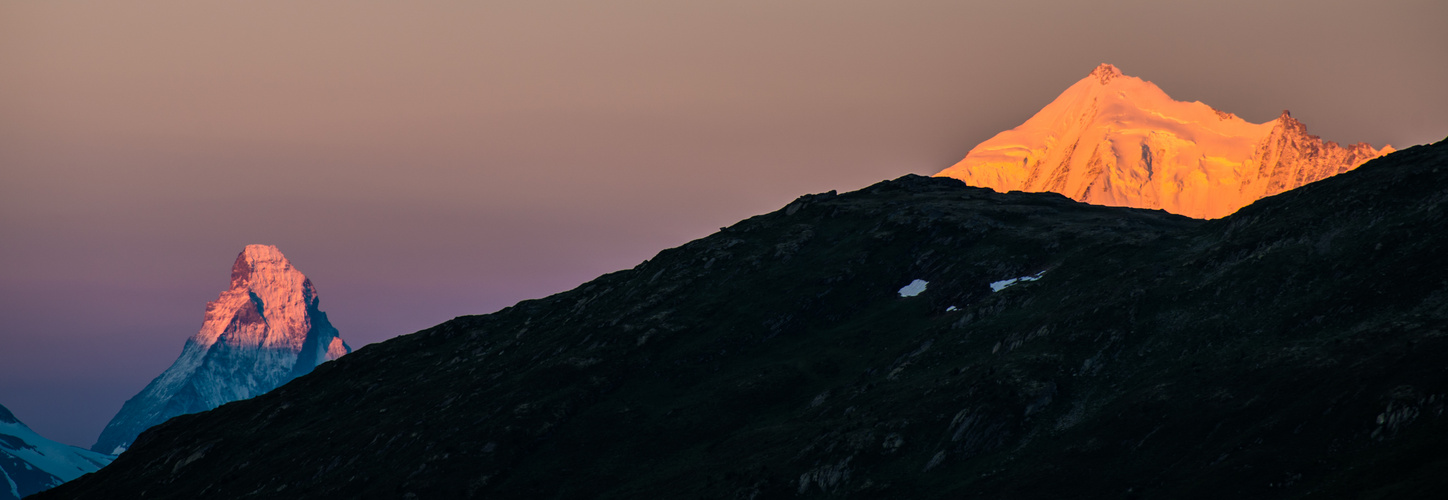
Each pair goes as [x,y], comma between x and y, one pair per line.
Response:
[1292,350]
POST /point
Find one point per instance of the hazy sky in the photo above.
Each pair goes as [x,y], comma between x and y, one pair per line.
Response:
[424,160]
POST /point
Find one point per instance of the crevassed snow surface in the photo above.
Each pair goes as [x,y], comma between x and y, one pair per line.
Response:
[1002,284]
[914,288]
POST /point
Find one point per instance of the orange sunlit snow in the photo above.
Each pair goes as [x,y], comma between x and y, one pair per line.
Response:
[1112,139]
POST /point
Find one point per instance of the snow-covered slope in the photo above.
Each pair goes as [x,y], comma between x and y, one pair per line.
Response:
[31,463]
[261,333]
[1112,139]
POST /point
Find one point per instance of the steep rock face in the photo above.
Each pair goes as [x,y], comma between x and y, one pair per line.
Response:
[30,463]
[1112,139]
[260,333]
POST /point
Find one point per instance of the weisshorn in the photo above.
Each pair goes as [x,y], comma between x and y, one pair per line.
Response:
[1117,140]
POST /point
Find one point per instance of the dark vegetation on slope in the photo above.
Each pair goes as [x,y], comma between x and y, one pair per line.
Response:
[1293,350]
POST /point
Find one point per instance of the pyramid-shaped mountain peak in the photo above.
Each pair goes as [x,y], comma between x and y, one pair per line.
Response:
[262,332]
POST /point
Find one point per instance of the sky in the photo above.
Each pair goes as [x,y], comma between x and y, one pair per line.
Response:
[425,160]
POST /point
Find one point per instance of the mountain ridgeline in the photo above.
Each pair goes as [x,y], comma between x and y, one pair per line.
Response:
[1291,350]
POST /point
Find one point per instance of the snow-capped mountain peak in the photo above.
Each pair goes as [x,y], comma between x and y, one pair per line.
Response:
[1114,139]
[260,333]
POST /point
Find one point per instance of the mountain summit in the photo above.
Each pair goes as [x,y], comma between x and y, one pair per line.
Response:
[261,333]
[1113,139]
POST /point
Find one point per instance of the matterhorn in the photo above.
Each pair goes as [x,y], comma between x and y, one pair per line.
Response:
[261,333]
[1112,139]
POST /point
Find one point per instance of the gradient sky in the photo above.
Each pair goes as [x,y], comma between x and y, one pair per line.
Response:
[424,160]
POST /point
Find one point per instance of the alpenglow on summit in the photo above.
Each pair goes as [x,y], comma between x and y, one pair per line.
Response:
[261,333]
[1113,139]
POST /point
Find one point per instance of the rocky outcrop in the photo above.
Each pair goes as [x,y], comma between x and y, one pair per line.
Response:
[262,332]
[1112,139]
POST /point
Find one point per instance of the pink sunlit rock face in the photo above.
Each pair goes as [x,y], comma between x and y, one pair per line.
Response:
[262,332]
[1113,139]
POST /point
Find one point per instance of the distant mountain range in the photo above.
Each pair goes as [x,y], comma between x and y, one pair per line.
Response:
[31,463]
[262,332]
[1112,139]
[920,338]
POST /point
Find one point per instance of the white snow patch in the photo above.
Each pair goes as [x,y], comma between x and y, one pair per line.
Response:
[1002,284]
[63,461]
[950,309]
[914,288]
[14,489]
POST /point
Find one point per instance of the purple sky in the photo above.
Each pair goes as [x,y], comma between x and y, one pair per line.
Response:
[424,160]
